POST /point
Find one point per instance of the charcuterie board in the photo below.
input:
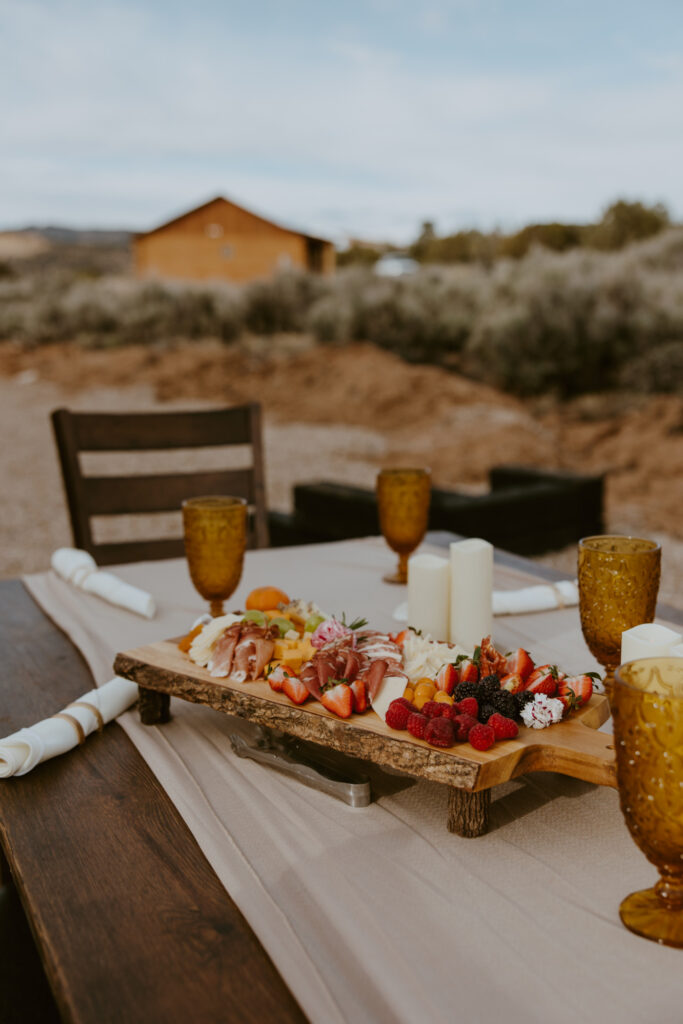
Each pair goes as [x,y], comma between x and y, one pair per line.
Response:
[572,747]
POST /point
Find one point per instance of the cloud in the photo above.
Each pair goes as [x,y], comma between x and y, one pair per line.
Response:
[122,115]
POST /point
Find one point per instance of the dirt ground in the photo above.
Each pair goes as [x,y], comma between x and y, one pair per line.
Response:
[338,414]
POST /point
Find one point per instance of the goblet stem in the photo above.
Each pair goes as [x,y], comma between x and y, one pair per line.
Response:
[216,608]
[669,890]
[402,571]
[608,680]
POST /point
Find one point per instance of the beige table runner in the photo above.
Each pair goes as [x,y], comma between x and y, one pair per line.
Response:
[379,914]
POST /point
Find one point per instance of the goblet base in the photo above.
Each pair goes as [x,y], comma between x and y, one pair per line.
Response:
[395,577]
[645,914]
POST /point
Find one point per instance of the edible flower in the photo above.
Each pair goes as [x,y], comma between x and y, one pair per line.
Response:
[542,711]
[330,629]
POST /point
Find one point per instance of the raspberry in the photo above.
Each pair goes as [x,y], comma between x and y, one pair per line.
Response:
[440,733]
[417,724]
[504,728]
[481,737]
[398,713]
[463,724]
[433,708]
[468,706]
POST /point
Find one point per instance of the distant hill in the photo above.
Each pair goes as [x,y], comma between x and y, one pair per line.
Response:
[80,236]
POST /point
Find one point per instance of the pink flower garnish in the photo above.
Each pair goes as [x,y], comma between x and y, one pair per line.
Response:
[330,629]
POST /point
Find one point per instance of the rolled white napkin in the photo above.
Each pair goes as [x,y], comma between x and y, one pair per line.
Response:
[23,750]
[80,568]
[541,598]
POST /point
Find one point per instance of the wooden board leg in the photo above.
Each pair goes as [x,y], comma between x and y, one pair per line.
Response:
[154,707]
[468,813]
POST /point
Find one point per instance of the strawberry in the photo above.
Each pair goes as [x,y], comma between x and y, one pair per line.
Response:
[543,670]
[338,699]
[277,677]
[513,683]
[542,682]
[469,672]
[575,691]
[399,638]
[359,696]
[447,678]
[295,689]
[520,664]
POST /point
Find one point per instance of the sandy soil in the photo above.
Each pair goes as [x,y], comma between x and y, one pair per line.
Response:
[337,413]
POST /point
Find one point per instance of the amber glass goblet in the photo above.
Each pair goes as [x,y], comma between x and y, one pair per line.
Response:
[215,530]
[648,733]
[618,584]
[403,503]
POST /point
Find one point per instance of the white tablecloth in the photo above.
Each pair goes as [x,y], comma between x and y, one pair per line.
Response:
[380,914]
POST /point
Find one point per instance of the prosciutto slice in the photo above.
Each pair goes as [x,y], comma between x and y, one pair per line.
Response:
[243,651]
[368,656]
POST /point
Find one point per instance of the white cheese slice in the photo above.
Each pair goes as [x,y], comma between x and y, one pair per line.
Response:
[391,688]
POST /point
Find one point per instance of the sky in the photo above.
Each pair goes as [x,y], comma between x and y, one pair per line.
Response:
[354,119]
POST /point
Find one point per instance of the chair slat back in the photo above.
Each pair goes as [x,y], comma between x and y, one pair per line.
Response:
[89,496]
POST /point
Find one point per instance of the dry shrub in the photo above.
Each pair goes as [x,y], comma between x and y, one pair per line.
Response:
[566,323]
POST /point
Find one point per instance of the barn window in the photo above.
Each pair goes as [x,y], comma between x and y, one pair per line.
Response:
[227,252]
[214,230]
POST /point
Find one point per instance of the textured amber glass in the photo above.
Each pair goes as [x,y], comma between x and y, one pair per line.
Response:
[215,538]
[648,731]
[403,503]
[618,584]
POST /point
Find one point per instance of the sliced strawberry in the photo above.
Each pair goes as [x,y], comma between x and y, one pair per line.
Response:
[520,664]
[469,672]
[447,678]
[295,689]
[359,696]
[338,699]
[542,670]
[277,677]
[575,691]
[513,683]
[542,682]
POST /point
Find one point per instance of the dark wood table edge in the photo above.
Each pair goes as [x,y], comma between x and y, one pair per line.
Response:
[288,1008]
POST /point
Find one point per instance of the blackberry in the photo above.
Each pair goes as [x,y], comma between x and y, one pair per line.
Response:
[522,698]
[485,712]
[463,690]
[489,685]
[505,703]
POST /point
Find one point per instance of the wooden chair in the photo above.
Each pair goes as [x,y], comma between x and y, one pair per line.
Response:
[89,496]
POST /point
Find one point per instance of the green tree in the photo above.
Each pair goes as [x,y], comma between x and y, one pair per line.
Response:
[625,222]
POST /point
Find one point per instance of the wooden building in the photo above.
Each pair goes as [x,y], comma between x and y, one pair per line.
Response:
[222,241]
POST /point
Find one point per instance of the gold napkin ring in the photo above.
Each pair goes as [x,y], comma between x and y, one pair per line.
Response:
[76,724]
[91,707]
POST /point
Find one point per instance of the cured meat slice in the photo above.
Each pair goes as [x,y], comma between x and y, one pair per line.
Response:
[221,658]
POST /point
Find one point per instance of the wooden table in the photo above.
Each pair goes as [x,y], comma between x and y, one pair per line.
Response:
[129,919]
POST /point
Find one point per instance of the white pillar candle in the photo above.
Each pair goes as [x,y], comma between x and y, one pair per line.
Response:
[429,582]
[471,592]
[648,640]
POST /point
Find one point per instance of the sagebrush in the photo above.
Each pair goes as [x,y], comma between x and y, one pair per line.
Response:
[565,322]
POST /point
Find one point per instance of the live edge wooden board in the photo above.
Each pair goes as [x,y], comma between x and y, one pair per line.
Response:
[573,747]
